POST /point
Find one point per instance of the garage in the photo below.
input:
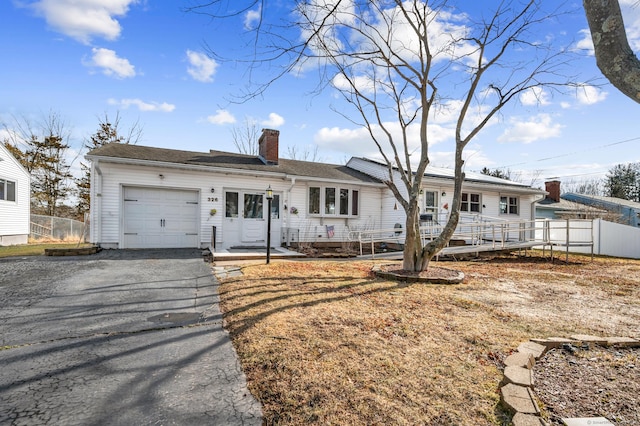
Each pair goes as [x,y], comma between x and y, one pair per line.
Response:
[160,218]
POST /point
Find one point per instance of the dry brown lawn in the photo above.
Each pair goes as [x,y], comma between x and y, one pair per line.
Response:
[325,342]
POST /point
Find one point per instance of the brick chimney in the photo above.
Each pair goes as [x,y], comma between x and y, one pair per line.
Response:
[268,146]
[553,188]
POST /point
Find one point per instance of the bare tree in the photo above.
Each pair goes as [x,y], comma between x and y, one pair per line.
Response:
[400,64]
[245,136]
[614,56]
[305,154]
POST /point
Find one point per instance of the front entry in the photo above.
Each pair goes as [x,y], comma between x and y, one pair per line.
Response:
[245,219]
[253,224]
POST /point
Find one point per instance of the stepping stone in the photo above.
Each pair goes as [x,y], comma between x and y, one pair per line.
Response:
[535,349]
[587,421]
[623,342]
[554,342]
[586,338]
[518,399]
[518,376]
[520,359]
[527,420]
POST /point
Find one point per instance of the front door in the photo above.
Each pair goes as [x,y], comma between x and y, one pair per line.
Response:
[253,227]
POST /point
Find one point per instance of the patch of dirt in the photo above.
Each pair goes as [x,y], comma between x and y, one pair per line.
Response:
[590,382]
[433,272]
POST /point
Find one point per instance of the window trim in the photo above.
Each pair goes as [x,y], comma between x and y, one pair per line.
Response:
[508,205]
[469,203]
[5,191]
[321,191]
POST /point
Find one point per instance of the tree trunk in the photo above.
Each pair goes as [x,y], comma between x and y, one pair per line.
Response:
[614,56]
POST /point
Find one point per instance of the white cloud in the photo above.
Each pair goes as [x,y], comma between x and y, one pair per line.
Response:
[142,105]
[585,43]
[202,68]
[535,128]
[222,116]
[84,19]
[535,96]
[589,95]
[274,121]
[251,18]
[111,64]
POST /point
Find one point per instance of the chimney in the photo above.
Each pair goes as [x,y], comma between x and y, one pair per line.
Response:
[268,146]
[553,188]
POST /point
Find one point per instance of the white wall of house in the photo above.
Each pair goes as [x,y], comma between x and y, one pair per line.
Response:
[109,179]
[14,213]
[489,194]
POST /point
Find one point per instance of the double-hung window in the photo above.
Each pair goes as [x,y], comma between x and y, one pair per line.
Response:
[7,190]
[509,204]
[470,203]
[333,201]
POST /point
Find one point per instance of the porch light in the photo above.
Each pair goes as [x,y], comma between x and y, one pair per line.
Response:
[444,194]
[269,193]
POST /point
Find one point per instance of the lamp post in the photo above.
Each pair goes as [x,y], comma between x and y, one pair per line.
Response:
[269,199]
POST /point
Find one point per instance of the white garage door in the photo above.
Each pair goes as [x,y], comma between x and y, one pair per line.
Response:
[160,218]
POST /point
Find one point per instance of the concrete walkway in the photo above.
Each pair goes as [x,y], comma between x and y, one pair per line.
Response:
[117,338]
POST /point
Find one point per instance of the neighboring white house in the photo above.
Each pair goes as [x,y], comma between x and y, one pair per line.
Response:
[15,200]
[143,197]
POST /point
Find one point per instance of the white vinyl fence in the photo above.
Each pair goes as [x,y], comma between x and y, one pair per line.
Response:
[58,228]
[609,239]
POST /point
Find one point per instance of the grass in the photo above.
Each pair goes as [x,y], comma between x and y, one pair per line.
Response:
[328,343]
[35,249]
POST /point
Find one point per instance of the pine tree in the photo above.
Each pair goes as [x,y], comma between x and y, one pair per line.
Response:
[108,132]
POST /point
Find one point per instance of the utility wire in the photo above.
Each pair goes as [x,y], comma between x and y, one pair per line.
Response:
[571,153]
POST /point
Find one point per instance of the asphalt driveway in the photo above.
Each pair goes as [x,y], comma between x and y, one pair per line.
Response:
[117,338]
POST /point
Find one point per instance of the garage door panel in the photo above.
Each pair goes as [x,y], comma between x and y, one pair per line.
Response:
[160,218]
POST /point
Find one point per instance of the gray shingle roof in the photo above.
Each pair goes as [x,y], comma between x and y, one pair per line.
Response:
[229,160]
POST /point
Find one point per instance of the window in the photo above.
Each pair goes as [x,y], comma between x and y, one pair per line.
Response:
[275,207]
[7,190]
[470,203]
[314,200]
[253,206]
[509,205]
[231,203]
[329,201]
[335,201]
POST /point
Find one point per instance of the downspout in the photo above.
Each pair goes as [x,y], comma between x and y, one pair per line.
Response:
[532,214]
[97,215]
[288,223]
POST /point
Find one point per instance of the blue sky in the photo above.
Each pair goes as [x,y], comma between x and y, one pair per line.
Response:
[147,60]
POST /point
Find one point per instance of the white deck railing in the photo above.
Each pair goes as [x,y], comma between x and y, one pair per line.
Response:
[482,233]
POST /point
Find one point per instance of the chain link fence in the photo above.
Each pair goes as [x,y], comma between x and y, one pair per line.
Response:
[58,228]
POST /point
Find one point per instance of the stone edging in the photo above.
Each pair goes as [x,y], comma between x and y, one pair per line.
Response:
[377,270]
[516,388]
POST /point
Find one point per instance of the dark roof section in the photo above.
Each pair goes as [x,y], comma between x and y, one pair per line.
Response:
[230,160]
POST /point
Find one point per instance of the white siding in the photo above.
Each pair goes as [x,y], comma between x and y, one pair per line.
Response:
[107,210]
[14,216]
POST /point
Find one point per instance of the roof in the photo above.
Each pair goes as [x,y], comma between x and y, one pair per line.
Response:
[118,152]
[566,206]
[598,199]
[445,173]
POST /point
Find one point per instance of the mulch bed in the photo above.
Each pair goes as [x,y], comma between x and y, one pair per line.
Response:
[433,274]
[594,382]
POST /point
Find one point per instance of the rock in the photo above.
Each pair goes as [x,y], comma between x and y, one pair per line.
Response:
[518,376]
[586,338]
[527,420]
[623,342]
[518,399]
[520,359]
[535,349]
